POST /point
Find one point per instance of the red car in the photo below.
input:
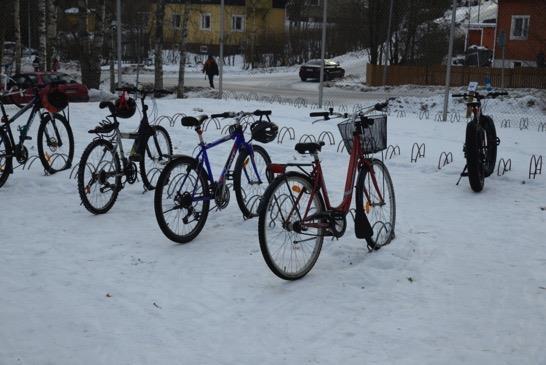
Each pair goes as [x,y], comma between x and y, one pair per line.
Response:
[75,91]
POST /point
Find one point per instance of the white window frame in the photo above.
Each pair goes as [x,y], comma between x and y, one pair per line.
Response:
[233,17]
[174,23]
[203,16]
[526,19]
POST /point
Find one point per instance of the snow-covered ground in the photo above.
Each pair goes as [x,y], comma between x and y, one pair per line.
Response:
[463,282]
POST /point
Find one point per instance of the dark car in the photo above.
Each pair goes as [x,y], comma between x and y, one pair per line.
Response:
[311,70]
[75,91]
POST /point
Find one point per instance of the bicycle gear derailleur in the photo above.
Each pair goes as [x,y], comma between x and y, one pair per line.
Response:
[131,173]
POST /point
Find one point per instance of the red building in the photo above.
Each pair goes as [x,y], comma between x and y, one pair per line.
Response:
[522,24]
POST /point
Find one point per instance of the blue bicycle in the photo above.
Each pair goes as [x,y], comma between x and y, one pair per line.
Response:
[186,186]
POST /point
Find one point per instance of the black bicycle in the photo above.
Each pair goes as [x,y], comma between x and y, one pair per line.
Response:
[480,148]
[104,163]
[55,141]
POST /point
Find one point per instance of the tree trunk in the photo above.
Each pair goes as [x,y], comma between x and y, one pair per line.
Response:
[158,50]
[17,26]
[183,38]
[3,18]
[42,51]
[51,33]
[90,47]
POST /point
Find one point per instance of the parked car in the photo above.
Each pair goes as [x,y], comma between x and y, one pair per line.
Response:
[311,70]
[75,91]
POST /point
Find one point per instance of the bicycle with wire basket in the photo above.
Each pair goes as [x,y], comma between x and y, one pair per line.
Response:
[480,148]
[187,185]
[296,213]
[104,163]
[55,140]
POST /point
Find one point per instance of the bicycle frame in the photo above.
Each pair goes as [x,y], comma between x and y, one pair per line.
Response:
[356,160]
[203,159]
[34,106]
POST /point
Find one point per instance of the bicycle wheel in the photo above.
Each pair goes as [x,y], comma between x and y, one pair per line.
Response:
[99,177]
[474,150]
[378,201]
[157,154]
[55,143]
[491,147]
[181,199]
[250,179]
[5,158]
[290,245]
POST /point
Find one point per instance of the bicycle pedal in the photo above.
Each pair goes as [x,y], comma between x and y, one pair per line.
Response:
[498,141]
[28,138]
[464,174]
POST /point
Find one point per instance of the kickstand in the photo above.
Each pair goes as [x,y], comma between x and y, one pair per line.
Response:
[462,174]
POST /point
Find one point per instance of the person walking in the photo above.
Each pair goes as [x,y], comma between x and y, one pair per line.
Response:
[211,69]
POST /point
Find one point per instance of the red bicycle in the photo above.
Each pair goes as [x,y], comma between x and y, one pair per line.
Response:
[296,213]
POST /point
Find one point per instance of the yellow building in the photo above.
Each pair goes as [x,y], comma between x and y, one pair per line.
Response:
[245,23]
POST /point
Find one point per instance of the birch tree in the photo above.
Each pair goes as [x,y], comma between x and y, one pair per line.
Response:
[158,49]
[182,48]
[42,51]
[17,28]
[51,41]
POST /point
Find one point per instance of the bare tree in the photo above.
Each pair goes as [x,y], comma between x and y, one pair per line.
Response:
[158,50]
[3,16]
[42,51]
[17,26]
[90,44]
[182,48]
[51,32]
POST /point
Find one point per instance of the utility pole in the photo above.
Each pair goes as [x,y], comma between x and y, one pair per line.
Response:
[118,24]
[387,51]
[221,56]
[323,51]
[449,59]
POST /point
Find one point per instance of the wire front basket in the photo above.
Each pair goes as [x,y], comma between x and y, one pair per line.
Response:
[373,138]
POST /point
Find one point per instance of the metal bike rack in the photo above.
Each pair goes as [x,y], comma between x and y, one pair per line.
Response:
[341,146]
[161,119]
[417,151]
[400,114]
[523,124]
[504,166]
[506,123]
[424,114]
[322,136]
[307,138]
[535,166]
[542,127]
[445,159]
[390,152]
[214,121]
[283,132]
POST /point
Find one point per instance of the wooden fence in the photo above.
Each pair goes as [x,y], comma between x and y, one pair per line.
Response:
[521,77]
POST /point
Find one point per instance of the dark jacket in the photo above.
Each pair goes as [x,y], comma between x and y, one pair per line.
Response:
[211,67]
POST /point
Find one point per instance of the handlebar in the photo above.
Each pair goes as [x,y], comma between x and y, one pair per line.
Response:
[330,113]
[478,96]
[257,113]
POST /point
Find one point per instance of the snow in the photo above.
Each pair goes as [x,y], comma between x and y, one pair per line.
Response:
[463,282]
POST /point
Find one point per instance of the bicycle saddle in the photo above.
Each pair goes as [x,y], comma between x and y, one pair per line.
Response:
[104,128]
[311,147]
[109,105]
[194,121]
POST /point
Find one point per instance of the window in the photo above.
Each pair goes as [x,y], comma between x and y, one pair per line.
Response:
[205,21]
[177,19]
[520,27]
[238,23]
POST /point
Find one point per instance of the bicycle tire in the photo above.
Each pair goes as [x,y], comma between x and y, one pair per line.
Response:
[491,139]
[266,225]
[380,214]
[5,160]
[474,155]
[148,174]
[249,204]
[85,190]
[52,134]
[164,185]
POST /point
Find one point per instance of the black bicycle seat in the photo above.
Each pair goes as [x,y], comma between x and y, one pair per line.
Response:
[311,147]
[104,128]
[194,121]
[109,105]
